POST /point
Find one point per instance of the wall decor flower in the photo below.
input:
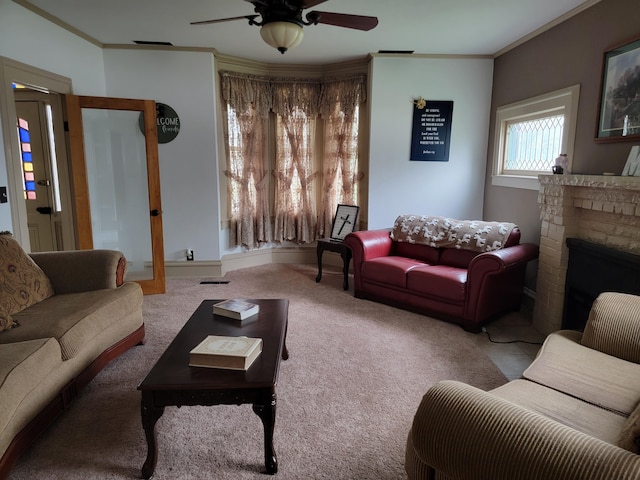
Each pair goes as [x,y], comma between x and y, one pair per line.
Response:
[420,103]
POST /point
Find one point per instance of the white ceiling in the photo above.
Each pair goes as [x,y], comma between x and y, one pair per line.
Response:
[468,27]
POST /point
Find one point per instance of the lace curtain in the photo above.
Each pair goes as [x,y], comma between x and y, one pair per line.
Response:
[250,99]
[296,107]
[296,104]
[340,106]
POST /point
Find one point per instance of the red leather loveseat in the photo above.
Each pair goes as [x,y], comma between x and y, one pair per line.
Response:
[466,272]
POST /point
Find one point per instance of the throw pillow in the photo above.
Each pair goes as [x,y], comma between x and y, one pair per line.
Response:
[22,282]
[629,437]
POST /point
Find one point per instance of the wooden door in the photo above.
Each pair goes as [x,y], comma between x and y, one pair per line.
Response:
[116,182]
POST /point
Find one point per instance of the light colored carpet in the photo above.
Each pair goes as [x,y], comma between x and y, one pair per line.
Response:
[346,396]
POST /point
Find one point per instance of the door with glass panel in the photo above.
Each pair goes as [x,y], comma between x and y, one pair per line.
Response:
[116,182]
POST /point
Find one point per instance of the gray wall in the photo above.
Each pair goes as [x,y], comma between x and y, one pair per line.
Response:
[570,53]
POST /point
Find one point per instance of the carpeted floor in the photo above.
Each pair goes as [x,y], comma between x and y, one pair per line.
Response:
[346,396]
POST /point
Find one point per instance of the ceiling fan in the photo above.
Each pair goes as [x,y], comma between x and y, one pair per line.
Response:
[281,21]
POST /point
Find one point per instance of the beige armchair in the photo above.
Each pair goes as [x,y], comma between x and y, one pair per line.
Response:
[574,414]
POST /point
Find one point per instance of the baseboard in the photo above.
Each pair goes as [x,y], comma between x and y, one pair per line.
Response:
[184,269]
[251,258]
[528,298]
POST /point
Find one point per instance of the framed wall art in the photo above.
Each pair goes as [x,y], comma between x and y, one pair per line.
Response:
[619,113]
[344,221]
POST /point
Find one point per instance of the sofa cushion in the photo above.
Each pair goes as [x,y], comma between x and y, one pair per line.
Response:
[439,281]
[389,270]
[629,437]
[23,283]
[75,319]
[416,251]
[24,366]
[567,366]
[613,326]
[572,412]
[454,257]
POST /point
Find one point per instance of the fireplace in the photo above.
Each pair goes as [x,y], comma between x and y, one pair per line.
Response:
[594,269]
[601,210]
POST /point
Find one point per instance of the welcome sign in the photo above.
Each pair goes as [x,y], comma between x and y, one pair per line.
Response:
[431,133]
[167,121]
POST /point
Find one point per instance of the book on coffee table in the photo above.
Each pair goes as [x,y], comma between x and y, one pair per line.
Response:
[238,309]
[232,353]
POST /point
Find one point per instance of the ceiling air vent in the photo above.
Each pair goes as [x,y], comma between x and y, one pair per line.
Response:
[146,42]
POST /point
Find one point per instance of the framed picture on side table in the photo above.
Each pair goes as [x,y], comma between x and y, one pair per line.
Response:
[619,117]
[344,221]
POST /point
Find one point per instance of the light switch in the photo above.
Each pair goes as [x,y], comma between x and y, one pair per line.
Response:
[3,194]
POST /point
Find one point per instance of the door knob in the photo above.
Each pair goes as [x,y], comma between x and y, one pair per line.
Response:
[44,210]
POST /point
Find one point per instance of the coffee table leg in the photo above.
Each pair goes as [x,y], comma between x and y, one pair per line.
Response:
[150,416]
[267,413]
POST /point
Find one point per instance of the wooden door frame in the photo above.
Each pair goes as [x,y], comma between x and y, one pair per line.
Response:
[75,104]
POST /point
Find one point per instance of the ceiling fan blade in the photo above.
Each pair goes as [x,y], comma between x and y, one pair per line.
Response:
[358,22]
[311,3]
[219,20]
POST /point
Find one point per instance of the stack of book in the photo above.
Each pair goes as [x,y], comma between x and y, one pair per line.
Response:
[231,353]
[238,309]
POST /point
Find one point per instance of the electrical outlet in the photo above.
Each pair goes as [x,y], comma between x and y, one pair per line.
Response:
[189,255]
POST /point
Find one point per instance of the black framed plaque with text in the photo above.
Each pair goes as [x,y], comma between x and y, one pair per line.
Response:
[431,133]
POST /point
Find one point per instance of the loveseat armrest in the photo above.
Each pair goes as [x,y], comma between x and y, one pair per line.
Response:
[613,326]
[365,245]
[495,282]
[368,244]
[74,271]
[464,432]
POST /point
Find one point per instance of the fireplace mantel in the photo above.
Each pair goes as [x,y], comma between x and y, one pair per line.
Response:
[598,208]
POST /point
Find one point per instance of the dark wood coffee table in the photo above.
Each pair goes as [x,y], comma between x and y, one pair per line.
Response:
[172,382]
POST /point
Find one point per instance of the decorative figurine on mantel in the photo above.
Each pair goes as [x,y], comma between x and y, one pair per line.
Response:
[562,164]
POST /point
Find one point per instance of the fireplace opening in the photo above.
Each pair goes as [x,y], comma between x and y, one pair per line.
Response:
[593,269]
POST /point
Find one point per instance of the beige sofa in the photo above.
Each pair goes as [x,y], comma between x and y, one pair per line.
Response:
[574,414]
[62,319]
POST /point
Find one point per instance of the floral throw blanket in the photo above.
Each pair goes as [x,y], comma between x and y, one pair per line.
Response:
[473,235]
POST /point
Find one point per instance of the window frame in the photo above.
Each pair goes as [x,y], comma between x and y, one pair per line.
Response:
[563,101]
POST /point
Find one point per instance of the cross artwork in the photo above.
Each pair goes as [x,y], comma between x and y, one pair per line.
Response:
[344,221]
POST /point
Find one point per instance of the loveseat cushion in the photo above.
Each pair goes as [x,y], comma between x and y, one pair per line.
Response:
[23,283]
[565,365]
[23,367]
[75,319]
[572,412]
[389,270]
[439,281]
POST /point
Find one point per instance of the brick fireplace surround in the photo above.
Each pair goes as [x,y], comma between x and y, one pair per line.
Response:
[600,209]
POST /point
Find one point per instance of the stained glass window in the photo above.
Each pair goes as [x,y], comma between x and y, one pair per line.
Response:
[27,159]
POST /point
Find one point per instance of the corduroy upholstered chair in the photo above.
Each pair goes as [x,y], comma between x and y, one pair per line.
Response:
[574,414]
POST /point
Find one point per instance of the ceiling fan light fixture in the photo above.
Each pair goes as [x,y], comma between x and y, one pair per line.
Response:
[282,35]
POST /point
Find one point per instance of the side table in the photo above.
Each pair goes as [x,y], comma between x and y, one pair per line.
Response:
[337,246]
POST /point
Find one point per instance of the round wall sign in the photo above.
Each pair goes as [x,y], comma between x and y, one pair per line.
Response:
[167,120]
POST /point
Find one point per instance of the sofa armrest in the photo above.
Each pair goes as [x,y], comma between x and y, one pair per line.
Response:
[365,245]
[613,326]
[82,270]
[495,281]
[464,432]
[368,244]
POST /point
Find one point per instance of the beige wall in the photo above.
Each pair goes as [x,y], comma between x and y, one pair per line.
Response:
[570,53]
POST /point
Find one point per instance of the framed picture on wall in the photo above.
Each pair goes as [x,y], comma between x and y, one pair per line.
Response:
[619,115]
[344,221]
